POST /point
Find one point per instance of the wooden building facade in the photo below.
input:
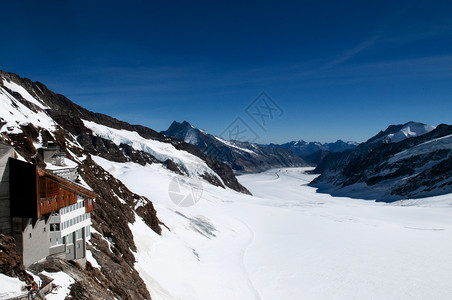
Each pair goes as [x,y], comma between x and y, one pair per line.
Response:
[48,214]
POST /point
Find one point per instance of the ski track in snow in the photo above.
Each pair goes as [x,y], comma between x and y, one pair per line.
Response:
[243,264]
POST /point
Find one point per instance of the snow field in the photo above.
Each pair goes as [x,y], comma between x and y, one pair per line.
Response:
[11,287]
[288,242]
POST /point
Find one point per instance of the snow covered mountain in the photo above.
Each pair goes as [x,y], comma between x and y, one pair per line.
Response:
[32,115]
[241,156]
[404,161]
[314,152]
[397,133]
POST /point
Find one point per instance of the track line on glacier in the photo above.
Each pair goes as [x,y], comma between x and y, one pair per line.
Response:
[242,265]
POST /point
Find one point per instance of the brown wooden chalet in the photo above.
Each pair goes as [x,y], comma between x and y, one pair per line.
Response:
[35,192]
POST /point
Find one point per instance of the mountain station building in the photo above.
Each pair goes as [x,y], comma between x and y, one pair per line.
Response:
[46,213]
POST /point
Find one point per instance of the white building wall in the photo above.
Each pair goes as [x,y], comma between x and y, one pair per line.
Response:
[35,241]
[73,217]
[71,221]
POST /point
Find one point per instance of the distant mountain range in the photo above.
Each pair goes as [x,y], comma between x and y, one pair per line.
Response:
[314,152]
[404,161]
[241,156]
[250,157]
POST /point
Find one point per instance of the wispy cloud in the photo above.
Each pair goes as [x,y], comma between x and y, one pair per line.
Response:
[349,54]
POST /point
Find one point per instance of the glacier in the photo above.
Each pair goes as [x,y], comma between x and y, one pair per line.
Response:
[288,242]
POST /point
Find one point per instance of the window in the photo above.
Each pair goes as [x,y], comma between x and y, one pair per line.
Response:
[29,235]
[80,233]
[44,229]
[54,227]
[70,238]
[78,246]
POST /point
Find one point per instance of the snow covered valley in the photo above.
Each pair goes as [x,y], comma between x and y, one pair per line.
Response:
[288,242]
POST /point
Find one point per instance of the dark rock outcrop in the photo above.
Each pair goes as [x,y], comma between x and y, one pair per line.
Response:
[89,283]
[11,261]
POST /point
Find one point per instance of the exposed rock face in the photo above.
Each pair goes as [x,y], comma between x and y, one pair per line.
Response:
[90,283]
[240,156]
[11,261]
[416,166]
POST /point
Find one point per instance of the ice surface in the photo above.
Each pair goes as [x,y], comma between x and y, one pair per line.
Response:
[289,242]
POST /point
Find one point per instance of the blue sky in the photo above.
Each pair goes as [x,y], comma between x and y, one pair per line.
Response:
[337,69]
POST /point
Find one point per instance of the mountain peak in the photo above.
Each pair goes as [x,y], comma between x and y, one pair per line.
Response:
[184,123]
[400,132]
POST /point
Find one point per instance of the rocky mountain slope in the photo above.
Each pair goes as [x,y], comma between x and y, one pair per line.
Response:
[405,161]
[32,115]
[241,156]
